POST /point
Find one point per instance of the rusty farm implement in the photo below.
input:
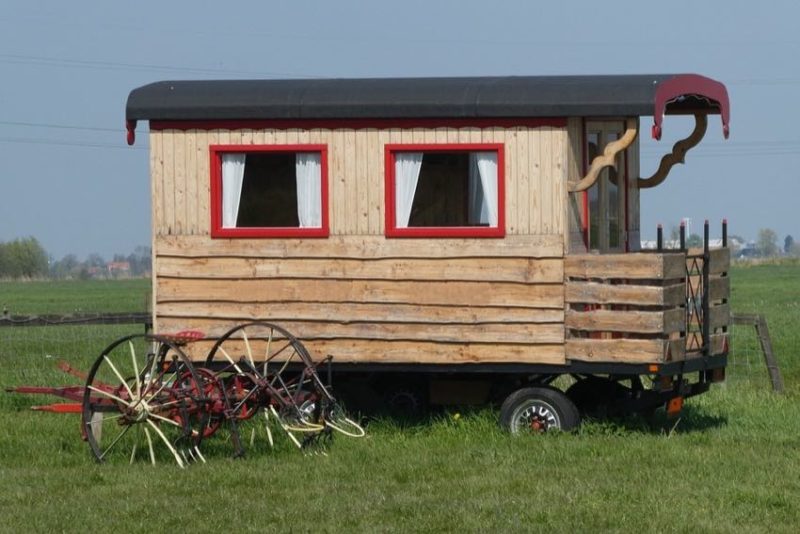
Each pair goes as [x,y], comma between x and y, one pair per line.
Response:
[144,396]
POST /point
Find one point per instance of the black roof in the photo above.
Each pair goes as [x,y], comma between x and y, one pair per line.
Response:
[388,98]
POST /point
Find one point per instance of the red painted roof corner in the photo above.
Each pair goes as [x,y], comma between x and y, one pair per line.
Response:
[695,85]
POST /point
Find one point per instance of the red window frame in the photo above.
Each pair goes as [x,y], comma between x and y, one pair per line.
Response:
[443,231]
[216,152]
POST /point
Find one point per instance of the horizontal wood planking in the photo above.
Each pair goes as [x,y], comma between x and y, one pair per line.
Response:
[640,322]
[582,292]
[624,350]
[436,293]
[356,179]
[719,288]
[720,316]
[518,270]
[349,312]
[720,259]
[719,345]
[656,266]
[361,247]
[529,334]
[394,351]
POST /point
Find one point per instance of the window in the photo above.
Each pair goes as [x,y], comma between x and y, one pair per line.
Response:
[606,198]
[444,191]
[269,191]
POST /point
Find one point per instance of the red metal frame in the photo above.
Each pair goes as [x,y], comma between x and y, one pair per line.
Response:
[281,124]
[443,231]
[217,231]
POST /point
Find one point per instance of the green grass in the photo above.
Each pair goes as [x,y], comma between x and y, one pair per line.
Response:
[64,297]
[732,463]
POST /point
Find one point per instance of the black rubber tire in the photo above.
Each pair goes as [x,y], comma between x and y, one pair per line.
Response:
[538,409]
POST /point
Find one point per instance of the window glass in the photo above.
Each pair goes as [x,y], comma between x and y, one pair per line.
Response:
[454,190]
[268,191]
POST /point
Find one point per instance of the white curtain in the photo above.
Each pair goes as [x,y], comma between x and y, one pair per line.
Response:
[483,188]
[406,175]
[232,178]
[309,189]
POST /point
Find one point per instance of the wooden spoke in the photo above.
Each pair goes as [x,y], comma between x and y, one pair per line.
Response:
[115,441]
[121,379]
[166,442]
[135,370]
[150,446]
[109,395]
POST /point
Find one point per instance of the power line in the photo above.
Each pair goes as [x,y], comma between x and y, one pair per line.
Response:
[34,141]
[62,126]
[114,65]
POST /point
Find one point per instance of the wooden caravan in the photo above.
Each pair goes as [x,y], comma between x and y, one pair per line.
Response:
[453,225]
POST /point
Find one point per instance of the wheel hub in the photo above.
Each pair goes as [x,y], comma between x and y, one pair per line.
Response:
[538,417]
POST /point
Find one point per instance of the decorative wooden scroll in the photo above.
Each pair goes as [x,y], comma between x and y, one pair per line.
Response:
[608,158]
[678,153]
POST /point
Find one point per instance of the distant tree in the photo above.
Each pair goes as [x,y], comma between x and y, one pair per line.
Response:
[140,261]
[66,267]
[95,260]
[767,242]
[23,258]
[788,243]
[694,240]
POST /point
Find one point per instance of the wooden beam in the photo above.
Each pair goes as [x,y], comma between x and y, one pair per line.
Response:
[369,291]
[720,315]
[609,156]
[634,265]
[520,270]
[383,351]
[362,247]
[441,333]
[639,322]
[582,292]
[678,154]
[624,350]
[349,312]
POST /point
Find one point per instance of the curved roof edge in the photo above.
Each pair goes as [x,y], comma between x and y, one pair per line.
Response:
[506,97]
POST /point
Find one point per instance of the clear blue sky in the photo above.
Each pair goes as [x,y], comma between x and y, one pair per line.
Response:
[69,179]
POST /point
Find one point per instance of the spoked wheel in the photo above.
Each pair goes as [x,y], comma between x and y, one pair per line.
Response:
[266,369]
[143,399]
[537,410]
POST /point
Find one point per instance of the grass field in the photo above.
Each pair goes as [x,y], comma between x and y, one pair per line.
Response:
[731,463]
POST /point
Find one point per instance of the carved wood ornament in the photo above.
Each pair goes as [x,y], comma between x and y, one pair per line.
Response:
[678,153]
[608,158]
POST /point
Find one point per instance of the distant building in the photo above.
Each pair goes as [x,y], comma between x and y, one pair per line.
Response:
[118,268]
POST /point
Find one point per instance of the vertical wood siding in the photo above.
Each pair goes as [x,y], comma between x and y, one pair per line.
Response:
[536,169]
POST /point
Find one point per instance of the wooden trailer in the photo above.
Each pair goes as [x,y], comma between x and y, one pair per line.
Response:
[443,239]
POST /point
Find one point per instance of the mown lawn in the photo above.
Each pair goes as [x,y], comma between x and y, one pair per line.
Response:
[731,463]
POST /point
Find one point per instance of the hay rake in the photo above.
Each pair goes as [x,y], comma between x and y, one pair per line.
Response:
[143,396]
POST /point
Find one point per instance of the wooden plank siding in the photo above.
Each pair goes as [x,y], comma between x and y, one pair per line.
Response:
[357,295]
[509,306]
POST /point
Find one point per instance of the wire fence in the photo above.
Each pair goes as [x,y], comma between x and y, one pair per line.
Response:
[31,347]
[27,344]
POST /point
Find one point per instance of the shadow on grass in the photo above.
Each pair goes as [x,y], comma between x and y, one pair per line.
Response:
[692,419]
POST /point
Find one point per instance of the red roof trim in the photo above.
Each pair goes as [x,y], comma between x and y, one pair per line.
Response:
[671,90]
[555,122]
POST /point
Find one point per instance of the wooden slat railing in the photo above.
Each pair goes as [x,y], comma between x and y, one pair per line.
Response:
[632,308]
